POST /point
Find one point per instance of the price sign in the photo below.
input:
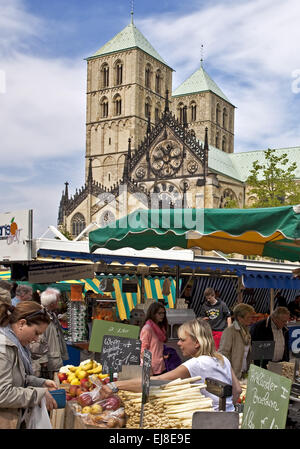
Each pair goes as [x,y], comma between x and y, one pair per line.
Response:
[147,361]
[262,350]
[267,400]
[294,340]
[118,351]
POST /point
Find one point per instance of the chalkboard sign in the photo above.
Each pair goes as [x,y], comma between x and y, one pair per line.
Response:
[262,350]
[294,340]
[102,327]
[147,361]
[118,351]
[267,400]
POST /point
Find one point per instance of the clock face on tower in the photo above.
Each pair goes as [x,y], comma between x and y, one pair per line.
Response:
[166,159]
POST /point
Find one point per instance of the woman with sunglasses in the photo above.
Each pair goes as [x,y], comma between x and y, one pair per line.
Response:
[153,336]
[20,390]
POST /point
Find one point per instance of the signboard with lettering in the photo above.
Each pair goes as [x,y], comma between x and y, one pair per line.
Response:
[294,340]
[16,236]
[103,327]
[147,361]
[118,351]
[262,350]
[267,400]
[55,272]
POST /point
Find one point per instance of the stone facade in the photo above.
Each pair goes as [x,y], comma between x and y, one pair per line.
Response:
[143,145]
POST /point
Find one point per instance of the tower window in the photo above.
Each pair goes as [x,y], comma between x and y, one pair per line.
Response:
[156,115]
[104,108]
[118,105]
[225,115]
[119,73]
[147,109]
[218,112]
[148,77]
[193,112]
[224,143]
[105,76]
[158,82]
[217,140]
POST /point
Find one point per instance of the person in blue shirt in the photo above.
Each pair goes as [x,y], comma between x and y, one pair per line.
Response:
[23,293]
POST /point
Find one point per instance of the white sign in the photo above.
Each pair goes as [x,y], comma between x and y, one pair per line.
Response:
[16,236]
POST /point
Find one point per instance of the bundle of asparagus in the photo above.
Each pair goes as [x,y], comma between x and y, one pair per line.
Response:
[170,406]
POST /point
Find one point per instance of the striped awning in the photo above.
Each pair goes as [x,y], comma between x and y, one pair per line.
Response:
[125,301]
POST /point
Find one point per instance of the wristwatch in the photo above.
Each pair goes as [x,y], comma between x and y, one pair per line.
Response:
[113,387]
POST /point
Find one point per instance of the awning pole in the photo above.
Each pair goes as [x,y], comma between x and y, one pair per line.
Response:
[142,289]
[240,290]
[271,300]
[177,285]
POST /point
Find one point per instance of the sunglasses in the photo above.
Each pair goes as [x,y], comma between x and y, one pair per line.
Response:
[42,312]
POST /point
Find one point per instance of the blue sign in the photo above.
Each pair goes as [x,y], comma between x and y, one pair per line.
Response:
[294,340]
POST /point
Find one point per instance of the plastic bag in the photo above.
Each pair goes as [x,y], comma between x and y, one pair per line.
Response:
[107,418]
[39,418]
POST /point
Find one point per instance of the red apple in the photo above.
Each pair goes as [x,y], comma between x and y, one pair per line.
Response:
[68,397]
[73,389]
[106,380]
[85,384]
[62,376]
[85,399]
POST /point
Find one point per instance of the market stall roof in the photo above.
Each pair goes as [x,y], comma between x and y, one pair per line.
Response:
[267,232]
[266,279]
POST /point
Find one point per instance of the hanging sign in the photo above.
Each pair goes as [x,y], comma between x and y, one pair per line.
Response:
[267,400]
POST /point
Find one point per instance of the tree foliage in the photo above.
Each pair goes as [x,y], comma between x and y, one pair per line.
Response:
[273,182]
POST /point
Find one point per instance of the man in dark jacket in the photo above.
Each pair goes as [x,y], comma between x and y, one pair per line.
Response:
[274,329]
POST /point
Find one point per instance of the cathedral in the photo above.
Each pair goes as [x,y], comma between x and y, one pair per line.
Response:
[149,146]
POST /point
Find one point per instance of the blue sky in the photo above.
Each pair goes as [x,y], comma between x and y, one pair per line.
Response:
[251,50]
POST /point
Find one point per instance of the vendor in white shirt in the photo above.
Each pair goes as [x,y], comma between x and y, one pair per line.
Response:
[196,341]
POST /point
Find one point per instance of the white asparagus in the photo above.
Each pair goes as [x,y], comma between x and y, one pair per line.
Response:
[181,382]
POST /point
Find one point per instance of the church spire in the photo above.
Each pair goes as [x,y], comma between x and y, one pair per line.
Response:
[132,11]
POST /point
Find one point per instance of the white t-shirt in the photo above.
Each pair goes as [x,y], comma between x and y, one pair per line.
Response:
[206,366]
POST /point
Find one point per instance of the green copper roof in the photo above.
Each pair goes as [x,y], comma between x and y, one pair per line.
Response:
[129,37]
[243,161]
[199,81]
[238,165]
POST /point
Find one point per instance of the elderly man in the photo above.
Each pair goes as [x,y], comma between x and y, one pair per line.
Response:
[23,293]
[274,329]
[57,348]
[5,289]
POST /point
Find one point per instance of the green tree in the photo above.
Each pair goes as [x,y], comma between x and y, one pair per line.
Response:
[273,182]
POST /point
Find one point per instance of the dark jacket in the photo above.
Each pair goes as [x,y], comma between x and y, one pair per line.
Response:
[262,331]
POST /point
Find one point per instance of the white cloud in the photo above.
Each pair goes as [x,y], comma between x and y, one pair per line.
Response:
[253,47]
[42,118]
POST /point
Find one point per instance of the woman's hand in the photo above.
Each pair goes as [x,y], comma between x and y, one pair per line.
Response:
[50,401]
[50,384]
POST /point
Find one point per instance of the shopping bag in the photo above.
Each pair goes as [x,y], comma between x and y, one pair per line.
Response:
[39,418]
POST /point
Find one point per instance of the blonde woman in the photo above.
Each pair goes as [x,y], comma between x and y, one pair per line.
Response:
[236,340]
[195,341]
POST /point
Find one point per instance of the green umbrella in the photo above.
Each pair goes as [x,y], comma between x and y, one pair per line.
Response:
[267,232]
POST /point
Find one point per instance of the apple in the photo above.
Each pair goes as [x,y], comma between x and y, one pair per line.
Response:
[85,399]
[106,380]
[68,397]
[73,390]
[62,376]
[85,384]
